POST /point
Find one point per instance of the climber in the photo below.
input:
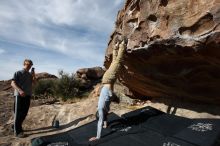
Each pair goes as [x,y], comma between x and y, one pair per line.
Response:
[108,81]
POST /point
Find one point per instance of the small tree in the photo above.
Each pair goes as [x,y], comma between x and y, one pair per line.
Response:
[44,87]
[67,86]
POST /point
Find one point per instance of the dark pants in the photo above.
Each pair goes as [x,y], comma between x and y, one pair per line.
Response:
[21,107]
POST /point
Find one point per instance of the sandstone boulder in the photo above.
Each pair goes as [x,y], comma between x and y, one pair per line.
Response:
[45,75]
[91,73]
[173,48]
[89,77]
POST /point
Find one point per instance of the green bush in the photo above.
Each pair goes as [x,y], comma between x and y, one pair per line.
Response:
[66,87]
[44,87]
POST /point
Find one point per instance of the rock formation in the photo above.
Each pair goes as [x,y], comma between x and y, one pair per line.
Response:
[90,73]
[5,85]
[89,76]
[174,48]
[45,75]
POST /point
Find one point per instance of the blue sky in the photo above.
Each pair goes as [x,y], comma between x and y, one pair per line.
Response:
[55,34]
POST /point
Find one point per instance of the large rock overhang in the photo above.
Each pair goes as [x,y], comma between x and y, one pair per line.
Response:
[174,48]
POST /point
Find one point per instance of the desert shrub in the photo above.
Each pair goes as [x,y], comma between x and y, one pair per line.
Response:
[65,87]
[45,87]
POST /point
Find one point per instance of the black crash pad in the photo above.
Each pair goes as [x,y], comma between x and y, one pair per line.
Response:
[143,127]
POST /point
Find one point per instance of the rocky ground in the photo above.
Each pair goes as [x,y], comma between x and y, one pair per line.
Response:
[72,115]
[39,119]
[6,106]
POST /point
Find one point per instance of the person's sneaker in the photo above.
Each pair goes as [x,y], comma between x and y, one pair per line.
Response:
[21,135]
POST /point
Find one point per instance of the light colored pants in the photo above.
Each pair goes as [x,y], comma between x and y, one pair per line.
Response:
[103,108]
